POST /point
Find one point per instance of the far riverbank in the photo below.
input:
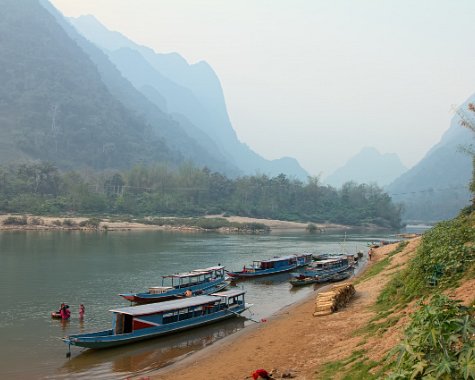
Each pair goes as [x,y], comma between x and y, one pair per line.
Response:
[224,224]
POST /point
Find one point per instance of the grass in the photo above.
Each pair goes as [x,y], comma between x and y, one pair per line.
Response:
[378,267]
[355,367]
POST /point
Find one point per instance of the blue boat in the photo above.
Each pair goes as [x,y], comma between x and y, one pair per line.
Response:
[197,282]
[323,271]
[267,267]
[137,323]
[328,266]
[304,259]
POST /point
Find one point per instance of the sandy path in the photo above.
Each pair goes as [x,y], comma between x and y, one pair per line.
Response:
[293,340]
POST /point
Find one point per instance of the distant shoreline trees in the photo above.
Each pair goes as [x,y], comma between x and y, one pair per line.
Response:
[40,188]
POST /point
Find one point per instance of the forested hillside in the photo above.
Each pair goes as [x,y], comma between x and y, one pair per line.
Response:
[192,93]
[54,105]
[158,191]
[437,187]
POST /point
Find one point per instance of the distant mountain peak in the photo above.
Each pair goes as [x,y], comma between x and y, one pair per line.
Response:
[367,166]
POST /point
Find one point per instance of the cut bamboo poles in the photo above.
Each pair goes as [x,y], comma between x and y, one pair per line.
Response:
[338,297]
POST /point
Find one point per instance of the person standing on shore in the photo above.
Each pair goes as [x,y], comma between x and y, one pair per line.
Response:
[82,311]
[370,253]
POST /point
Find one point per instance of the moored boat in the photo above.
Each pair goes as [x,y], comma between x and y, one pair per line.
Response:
[322,271]
[197,282]
[304,259]
[267,267]
[137,323]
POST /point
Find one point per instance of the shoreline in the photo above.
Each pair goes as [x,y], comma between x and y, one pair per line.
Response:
[74,223]
[292,340]
[225,343]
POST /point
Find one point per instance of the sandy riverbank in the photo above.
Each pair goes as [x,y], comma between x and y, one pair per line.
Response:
[293,340]
[74,223]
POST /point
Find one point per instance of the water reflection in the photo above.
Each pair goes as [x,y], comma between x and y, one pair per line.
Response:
[146,356]
[93,268]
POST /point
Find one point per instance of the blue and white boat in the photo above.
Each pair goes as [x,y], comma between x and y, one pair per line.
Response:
[328,266]
[304,259]
[267,267]
[323,271]
[136,323]
[197,282]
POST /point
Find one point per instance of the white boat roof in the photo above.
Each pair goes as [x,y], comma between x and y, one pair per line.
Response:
[327,261]
[210,269]
[281,258]
[229,293]
[185,275]
[160,307]
[304,254]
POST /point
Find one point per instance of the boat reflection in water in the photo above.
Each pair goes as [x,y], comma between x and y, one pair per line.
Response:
[147,356]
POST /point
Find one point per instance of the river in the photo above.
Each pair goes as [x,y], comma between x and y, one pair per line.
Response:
[39,270]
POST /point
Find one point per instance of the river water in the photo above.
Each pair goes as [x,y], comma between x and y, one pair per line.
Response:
[39,270]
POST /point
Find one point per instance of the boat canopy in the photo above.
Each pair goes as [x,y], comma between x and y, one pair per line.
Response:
[329,261]
[274,259]
[185,275]
[155,308]
[210,269]
[230,293]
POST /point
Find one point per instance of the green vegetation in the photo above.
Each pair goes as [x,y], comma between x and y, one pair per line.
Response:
[380,265]
[438,344]
[446,253]
[357,366]
[16,221]
[205,223]
[40,188]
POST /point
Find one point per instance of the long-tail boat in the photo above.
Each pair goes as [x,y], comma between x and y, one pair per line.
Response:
[197,282]
[136,323]
[267,267]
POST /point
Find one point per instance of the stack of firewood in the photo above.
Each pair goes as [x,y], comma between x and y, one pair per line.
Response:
[338,297]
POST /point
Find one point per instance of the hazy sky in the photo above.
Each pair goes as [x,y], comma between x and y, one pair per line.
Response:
[317,80]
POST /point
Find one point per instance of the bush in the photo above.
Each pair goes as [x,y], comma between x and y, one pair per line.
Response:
[312,228]
[438,343]
[69,223]
[37,221]
[90,223]
[56,222]
[16,220]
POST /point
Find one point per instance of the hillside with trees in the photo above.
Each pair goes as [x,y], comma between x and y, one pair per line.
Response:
[437,187]
[40,188]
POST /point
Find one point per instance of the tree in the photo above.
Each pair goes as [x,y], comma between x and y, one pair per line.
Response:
[468,122]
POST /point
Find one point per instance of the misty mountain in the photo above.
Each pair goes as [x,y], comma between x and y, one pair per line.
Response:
[54,105]
[176,136]
[191,93]
[368,166]
[437,187]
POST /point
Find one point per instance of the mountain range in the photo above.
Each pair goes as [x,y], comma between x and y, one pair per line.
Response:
[192,94]
[368,166]
[65,100]
[437,187]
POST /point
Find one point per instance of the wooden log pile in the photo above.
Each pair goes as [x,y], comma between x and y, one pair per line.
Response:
[338,297]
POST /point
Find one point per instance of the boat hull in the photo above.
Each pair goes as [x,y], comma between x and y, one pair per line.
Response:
[259,273]
[106,339]
[201,289]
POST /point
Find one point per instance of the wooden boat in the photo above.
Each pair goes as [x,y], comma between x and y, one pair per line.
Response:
[302,280]
[328,266]
[197,282]
[267,267]
[341,275]
[322,271]
[137,323]
[304,259]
